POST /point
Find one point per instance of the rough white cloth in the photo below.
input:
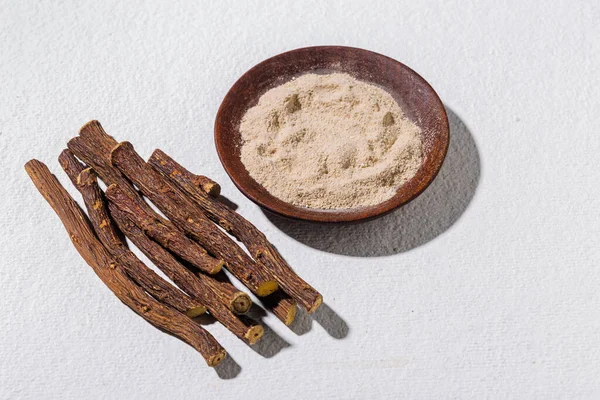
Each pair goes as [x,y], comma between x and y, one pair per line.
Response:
[485,287]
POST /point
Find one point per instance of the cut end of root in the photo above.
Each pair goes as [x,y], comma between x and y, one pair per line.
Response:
[115,150]
[291,315]
[93,124]
[254,334]
[214,360]
[31,165]
[267,288]
[87,177]
[316,304]
[212,189]
[241,303]
[195,311]
[217,268]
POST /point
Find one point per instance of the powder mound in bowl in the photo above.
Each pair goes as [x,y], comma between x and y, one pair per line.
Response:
[329,142]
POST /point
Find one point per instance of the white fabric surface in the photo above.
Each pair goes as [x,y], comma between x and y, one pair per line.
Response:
[484,287]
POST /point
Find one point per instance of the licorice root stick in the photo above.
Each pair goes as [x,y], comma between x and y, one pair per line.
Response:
[94,132]
[236,300]
[111,273]
[167,235]
[282,305]
[241,326]
[93,147]
[189,217]
[255,241]
[85,182]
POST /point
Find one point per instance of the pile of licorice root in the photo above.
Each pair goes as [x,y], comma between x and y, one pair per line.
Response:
[198,237]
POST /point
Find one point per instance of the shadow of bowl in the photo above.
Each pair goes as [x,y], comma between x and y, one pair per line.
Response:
[412,225]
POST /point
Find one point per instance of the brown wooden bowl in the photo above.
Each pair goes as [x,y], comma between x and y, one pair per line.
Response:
[415,96]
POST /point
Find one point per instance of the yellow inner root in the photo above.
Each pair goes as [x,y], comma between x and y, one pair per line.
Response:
[254,334]
[212,188]
[217,358]
[290,316]
[195,311]
[241,303]
[218,267]
[267,288]
[316,304]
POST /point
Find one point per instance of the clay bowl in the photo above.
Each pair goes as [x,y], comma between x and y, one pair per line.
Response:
[415,96]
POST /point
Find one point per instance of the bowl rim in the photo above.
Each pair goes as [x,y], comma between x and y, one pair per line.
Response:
[334,215]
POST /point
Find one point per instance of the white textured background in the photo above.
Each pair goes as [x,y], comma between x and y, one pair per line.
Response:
[487,286]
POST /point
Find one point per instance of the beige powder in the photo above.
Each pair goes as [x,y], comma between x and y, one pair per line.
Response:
[329,142]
